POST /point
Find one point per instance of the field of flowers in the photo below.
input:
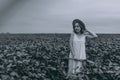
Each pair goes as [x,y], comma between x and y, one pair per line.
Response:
[44,57]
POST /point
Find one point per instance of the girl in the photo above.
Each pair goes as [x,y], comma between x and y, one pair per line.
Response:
[77,46]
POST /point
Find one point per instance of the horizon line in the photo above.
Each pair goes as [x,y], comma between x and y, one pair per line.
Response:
[47,33]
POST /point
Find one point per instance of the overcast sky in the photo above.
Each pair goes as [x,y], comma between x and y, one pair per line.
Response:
[56,16]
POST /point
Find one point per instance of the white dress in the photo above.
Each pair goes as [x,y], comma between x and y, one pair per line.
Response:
[80,53]
[79,47]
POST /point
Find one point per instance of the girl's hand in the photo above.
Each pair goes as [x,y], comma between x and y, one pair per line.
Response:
[90,34]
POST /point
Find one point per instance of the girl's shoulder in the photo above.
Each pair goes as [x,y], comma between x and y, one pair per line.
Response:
[72,33]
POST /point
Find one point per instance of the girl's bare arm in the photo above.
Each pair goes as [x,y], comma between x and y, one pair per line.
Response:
[90,34]
[71,44]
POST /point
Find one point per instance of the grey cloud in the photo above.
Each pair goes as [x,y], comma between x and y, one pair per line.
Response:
[56,16]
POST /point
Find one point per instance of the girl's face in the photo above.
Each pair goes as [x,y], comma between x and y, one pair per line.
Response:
[77,27]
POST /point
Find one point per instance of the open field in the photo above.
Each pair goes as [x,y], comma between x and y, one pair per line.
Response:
[44,57]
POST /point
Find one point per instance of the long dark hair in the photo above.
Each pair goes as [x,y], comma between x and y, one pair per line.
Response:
[80,23]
